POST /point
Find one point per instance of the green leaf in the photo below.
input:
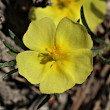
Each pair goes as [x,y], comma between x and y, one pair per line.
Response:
[57,95]
[17,41]
[45,100]
[8,64]
[10,47]
[12,53]
[104,60]
[10,73]
[94,49]
[98,40]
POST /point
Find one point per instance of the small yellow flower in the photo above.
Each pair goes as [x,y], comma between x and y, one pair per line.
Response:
[94,11]
[58,57]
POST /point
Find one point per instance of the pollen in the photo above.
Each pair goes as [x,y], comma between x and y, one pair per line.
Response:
[63,3]
[56,52]
[69,1]
[50,55]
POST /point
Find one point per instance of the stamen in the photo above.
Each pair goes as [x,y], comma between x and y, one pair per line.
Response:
[63,3]
[69,1]
[47,50]
[52,55]
[55,53]
[42,55]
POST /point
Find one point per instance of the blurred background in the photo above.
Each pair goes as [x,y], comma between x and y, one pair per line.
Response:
[18,94]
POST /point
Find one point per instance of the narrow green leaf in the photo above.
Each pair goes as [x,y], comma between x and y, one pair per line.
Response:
[17,41]
[12,53]
[94,49]
[104,60]
[8,64]
[10,47]
[98,40]
[95,54]
[57,95]
[10,73]
[45,100]
[40,99]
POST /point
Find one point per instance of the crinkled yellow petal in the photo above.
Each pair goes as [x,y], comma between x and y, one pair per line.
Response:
[72,35]
[29,66]
[56,12]
[94,12]
[40,34]
[79,64]
[56,80]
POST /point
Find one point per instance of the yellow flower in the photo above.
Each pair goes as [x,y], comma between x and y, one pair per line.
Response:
[94,11]
[58,57]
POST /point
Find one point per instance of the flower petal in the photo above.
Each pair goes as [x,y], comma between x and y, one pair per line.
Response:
[52,12]
[40,34]
[56,80]
[72,35]
[57,11]
[94,12]
[29,66]
[79,64]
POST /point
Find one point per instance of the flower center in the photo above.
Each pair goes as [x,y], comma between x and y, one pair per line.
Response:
[52,55]
[55,53]
[63,3]
[69,1]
